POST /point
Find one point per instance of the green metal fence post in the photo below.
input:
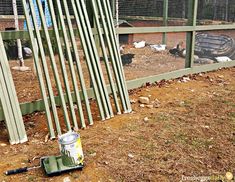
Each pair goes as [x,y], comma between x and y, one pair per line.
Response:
[45,66]
[39,71]
[9,119]
[71,66]
[12,95]
[97,62]
[93,25]
[112,56]
[53,63]
[80,28]
[190,39]
[62,62]
[7,108]
[106,60]
[108,13]
[79,66]
[165,20]
[95,58]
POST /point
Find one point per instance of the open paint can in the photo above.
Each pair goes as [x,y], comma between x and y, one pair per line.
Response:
[71,149]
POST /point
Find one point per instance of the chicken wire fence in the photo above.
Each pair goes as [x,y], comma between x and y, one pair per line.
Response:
[207,9]
[223,10]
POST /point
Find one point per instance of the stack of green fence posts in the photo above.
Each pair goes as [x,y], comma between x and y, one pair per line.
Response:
[61,15]
[9,101]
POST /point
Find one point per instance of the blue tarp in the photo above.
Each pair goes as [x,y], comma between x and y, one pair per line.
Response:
[46,12]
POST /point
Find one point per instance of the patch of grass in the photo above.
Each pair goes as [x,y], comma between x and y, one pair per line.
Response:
[141,137]
[229,103]
[75,175]
[181,137]
[185,103]
[150,146]
[150,156]
[162,117]
[32,178]
[195,142]
[200,143]
[225,102]
[232,115]
[132,127]
[51,146]
[91,151]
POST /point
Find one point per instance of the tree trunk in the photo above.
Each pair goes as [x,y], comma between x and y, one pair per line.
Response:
[19,46]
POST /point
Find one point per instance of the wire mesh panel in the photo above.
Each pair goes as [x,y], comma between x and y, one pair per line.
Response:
[6,7]
[217,10]
[141,8]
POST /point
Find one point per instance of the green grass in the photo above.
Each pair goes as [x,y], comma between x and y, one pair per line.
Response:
[162,117]
[32,178]
[194,142]
[182,138]
[232,115]
[201,143]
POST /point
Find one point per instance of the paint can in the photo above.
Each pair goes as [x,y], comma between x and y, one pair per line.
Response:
[71,149]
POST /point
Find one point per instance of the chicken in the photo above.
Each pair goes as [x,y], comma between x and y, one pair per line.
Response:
[178,50]
[121,49]
[27,52]
[127,59]
[67,57]
[158,48]
[139,45]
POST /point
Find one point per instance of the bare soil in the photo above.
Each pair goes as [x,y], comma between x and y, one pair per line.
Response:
[190,133]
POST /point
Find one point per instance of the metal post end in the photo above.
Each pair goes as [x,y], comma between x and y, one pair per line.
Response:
[112,116]
[130,111]
[119,113]
[108,117]
[12,142]
[126,112]
[91,124]
[52,138]
[76,128]
[25,139]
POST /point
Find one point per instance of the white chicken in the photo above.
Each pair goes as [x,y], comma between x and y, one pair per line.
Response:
[158,48]
[139,45]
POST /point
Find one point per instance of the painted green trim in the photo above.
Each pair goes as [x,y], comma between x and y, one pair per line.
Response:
[11,35]
[11,17]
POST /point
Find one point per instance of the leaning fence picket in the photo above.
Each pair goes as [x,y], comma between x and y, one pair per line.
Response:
[39,71]
[10,104]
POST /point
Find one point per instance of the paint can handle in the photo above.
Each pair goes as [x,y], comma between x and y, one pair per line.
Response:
[17,171]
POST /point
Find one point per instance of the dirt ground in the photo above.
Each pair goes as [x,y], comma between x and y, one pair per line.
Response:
[191,132]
